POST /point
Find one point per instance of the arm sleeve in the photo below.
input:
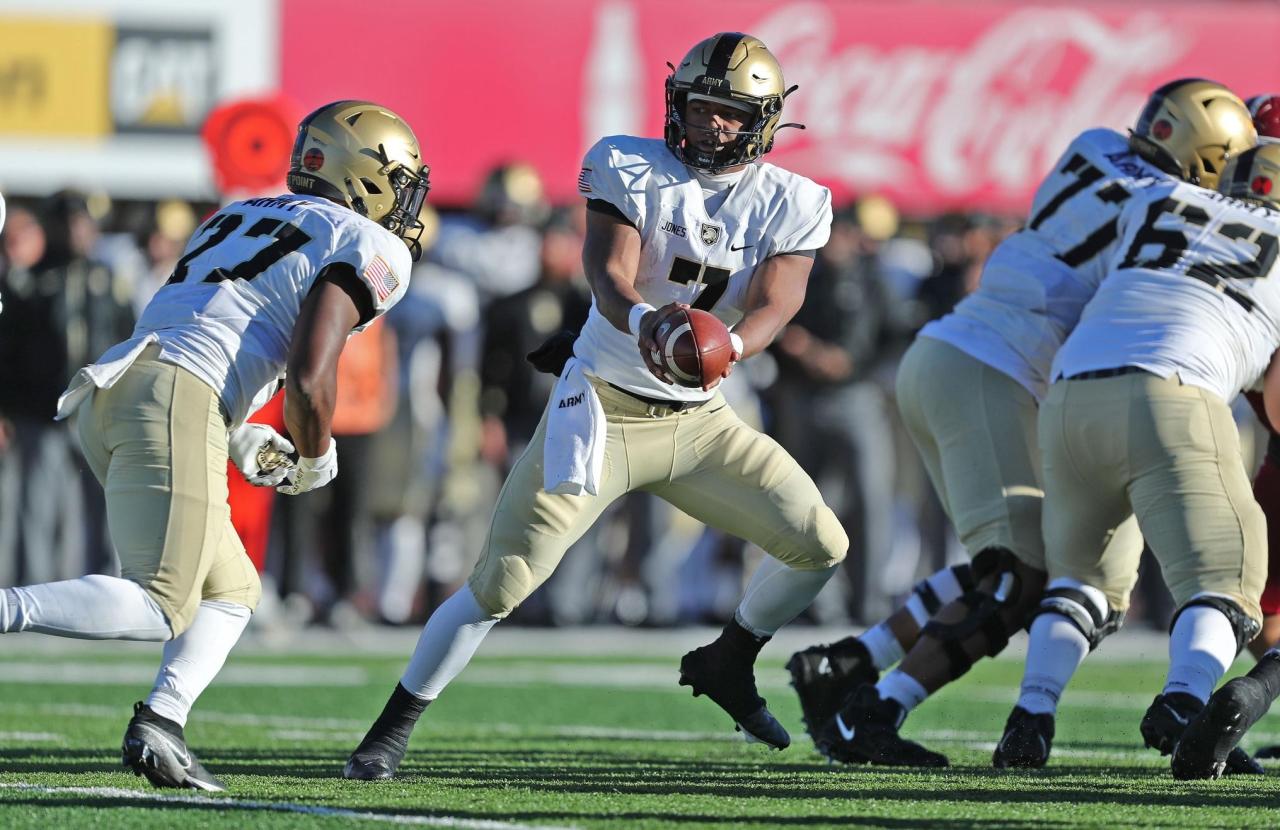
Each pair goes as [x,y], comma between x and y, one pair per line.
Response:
[602,181]
[812,228]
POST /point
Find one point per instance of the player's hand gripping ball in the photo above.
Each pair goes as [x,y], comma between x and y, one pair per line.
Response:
[693,348]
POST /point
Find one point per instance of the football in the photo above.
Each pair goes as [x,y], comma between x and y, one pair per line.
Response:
[694,345]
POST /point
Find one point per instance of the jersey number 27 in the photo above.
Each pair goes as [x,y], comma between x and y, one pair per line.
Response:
[285,239]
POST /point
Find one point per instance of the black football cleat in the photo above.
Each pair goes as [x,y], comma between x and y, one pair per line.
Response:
[725,675]
[824,675]
[1026,741]
[1168,718]
[374,760]
[1207,747]
[378,756]
[155,747]
[865,731]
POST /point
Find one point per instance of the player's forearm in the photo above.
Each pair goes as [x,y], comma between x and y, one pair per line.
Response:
[615,296]
[760,327]
[308,413]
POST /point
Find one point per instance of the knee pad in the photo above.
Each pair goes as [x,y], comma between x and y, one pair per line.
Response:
[1244,626]
[985,607]
[502,586]
[832,541]
[1084,606]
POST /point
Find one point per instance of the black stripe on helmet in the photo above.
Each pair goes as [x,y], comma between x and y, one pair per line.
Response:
[718,64]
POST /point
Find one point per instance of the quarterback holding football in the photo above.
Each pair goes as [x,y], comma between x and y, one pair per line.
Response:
[692,222]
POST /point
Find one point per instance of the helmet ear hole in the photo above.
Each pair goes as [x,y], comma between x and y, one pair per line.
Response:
[370,186]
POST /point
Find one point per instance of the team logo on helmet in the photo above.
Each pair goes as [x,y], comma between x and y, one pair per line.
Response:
[313,159]
[1261,185]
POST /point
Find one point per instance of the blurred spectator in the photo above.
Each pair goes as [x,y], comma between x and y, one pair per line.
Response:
[332,526]
[513,394]
[411,454]
[830,413]
[61,311]
[497,243]
[174,222]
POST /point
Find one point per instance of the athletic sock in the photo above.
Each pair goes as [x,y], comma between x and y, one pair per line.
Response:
[899,686]
[931,593]
[1054,652]
[777,594]
[396,721]
[1202,647]
[93,607]
[883,645]
[447,644]
[195,657]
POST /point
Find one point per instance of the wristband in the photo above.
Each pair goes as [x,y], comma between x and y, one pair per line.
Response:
[736,342]
[638,311]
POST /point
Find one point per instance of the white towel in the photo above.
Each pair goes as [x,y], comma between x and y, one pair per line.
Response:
[573,454]
[103,374]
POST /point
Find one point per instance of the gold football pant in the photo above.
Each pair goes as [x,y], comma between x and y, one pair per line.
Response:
[704,460]
[975,428]
[157,442]
[1169,453]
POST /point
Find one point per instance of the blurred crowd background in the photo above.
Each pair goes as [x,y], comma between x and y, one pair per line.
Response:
[437,400]
[123,123]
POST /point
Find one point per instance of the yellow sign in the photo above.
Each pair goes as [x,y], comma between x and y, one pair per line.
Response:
[53,77]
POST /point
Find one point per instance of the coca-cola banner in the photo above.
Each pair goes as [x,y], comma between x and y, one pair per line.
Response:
[936,104]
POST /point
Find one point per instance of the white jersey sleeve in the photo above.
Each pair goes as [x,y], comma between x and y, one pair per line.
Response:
[806,226]
[382,264]
[1194,290]
[607,176]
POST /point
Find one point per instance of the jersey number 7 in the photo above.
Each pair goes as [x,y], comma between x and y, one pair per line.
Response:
[715,279]
[285,239]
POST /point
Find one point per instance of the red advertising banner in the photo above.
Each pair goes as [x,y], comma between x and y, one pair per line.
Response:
[937,105]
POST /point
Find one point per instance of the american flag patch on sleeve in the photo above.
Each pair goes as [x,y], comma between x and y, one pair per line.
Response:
[384,281]
[584,180]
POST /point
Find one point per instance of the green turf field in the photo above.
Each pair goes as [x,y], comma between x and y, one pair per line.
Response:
[583,741]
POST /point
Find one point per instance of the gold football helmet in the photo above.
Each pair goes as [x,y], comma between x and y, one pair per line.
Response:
[740,70]
[363,156]
[1254,175]
[1190,127]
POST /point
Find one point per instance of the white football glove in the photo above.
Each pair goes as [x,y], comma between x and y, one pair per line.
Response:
[260,454]
[312,473]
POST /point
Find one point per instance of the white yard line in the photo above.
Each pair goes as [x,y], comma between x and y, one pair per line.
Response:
[70,673]
[32,737]
[227,803]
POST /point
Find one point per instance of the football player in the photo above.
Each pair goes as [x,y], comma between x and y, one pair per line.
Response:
[696,218]
[968,389]
[267,288]
[1137,421]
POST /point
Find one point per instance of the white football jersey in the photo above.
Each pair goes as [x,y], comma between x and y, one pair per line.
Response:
[687,255]
[1036,282]
[1193,291]
[227,312]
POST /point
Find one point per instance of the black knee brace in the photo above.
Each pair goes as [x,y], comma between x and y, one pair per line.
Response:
[1245,627]
[1073,604]
[984,611]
